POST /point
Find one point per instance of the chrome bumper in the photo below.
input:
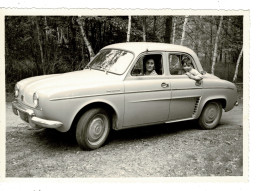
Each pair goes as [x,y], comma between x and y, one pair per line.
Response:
[28,116]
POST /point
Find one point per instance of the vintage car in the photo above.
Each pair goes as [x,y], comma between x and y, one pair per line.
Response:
[116,91]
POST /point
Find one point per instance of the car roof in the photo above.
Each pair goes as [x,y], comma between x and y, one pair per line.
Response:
[139,47]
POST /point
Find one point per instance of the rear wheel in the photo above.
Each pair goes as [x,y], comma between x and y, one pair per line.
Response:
[93,129]
[210,115]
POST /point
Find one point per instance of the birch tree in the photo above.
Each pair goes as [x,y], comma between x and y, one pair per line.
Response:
[237,65]
[173,30]
[128,29]
[85,38]
[216,46]
[144,29]
[184,29]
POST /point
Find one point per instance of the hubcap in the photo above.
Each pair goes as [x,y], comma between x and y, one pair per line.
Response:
[211,113]
[96,129]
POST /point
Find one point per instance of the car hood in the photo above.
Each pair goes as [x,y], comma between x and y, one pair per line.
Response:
[65,84]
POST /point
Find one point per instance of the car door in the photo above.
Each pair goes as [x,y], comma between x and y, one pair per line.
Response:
[186,93]
[147,97]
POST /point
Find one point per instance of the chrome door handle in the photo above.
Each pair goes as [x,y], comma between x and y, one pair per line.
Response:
[164,85]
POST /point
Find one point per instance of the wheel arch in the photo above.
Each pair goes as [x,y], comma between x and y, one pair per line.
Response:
[222,100]
[98,104]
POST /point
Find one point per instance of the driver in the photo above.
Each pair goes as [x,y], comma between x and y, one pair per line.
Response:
[150,68]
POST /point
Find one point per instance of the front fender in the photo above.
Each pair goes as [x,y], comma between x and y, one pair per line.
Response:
[115,102]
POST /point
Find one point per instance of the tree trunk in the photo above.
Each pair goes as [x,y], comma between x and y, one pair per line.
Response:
[221,53]
[228,35]
[173,30]
[211,43]
[40,45]
[87,43]
[46,28]
[65,40]
[144,29]
[73,41]
[168,29]
[237,65]
[129,29]
[216,46]
[199,34]
[82,52]
[184,29]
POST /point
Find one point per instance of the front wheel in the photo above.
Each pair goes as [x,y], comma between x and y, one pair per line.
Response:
[210,115]
[93,129]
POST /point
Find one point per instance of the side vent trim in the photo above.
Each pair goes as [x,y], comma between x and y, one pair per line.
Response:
[196,107]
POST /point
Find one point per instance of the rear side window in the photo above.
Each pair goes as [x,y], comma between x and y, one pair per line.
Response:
[175,63]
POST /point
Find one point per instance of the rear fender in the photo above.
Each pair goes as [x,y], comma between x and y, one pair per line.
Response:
[221,99]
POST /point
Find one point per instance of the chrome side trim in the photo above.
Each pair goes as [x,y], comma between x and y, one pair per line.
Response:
[146,91]
[83,96]
[113,91]
[104,94]
[191,118]
[130,92]
[147,100]
[181,97]
[199,87]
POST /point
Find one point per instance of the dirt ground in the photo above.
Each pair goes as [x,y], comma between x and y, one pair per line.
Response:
[172,150]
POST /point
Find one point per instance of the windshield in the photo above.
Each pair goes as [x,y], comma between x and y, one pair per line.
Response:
[114,61]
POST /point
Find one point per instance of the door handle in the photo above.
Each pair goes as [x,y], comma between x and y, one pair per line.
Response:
[164,85]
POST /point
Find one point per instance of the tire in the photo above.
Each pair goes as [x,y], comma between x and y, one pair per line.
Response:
[93,129]
[210,116]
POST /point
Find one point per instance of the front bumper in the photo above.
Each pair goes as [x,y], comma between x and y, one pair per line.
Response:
[28,116]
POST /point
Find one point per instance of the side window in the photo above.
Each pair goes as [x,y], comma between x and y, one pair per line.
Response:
[176,63]
[148,65]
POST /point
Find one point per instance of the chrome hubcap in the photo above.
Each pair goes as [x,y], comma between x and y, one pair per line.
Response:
[96,129]
[211,113]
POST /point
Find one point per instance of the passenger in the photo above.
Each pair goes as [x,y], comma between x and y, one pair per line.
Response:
[190,71]
[150,67]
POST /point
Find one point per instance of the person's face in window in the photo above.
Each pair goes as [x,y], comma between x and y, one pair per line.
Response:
[187,65]
[149,65]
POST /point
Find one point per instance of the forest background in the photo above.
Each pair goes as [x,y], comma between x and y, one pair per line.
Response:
[41,45]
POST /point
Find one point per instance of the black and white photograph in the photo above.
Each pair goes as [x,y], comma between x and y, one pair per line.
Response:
[125,95]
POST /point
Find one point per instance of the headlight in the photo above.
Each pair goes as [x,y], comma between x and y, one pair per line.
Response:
[16,90]
[36,99]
